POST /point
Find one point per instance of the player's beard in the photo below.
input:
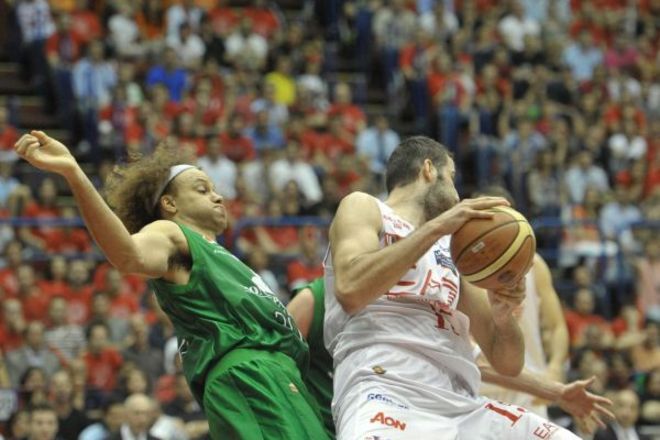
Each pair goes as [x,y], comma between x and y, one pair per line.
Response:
[438,199]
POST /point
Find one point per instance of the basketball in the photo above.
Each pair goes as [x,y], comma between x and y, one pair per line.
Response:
[496,252]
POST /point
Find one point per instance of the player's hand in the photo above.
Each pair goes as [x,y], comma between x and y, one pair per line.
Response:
[505,300]
[45,153]
[585,406]
[451,220]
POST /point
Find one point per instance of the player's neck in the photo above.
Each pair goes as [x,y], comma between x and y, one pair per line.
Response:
[407,206]
[206,233]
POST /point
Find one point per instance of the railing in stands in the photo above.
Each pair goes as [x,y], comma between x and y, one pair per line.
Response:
[539,224]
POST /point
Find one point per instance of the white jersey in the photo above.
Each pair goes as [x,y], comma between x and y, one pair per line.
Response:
[529,319]
[412,339]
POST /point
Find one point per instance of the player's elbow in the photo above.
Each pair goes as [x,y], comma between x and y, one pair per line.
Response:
[348,298]
[511,367]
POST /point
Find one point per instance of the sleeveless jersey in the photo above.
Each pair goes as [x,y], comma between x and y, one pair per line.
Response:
[529,319]
[319,377]
[413,338]
[224,306]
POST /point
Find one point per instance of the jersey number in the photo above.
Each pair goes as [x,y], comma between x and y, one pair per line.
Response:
[508,414]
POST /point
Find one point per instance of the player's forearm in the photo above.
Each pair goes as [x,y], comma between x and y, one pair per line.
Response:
[373,274]
[558,348]
[105,227]
[525,382]
[507,347]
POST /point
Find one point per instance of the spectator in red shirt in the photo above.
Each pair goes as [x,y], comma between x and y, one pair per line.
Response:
[8,134]
[309,266]
[583,316]
[63,49]
[123,301]
[79,294]
[266,17]
[86,23]
[235,145]
[223,18]
[102,361]
[33,299]
[69,239]
[45,207]
[56,284]
[352,117]
[13,257]
[188,136]
[12,325]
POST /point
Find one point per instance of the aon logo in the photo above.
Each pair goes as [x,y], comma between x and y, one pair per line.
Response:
[388,421]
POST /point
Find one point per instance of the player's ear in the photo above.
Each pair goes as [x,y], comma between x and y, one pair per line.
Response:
[428,170]
[168,204]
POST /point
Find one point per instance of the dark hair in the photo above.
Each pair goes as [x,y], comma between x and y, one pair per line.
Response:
[130,191]
[93,325]
[405,162]
[495,191]
[41,407]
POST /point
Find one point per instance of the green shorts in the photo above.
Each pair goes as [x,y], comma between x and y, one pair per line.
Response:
[255,395]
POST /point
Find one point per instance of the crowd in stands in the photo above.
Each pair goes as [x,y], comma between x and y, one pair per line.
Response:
[557,100]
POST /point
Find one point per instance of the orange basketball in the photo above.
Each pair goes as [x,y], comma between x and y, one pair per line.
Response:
[496,252]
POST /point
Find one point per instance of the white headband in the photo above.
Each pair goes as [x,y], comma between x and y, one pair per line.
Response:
[174,171]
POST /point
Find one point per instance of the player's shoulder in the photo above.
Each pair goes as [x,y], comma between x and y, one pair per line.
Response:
[166,229]
[359,197]
[359,204]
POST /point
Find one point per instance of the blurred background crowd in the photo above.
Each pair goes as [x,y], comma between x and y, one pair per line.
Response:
[289,105]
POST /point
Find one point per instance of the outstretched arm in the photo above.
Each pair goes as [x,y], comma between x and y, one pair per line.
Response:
[552,319]
[363,270]
[124,251]
[572,398]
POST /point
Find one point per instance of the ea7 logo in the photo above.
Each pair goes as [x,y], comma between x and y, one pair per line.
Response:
[388,421]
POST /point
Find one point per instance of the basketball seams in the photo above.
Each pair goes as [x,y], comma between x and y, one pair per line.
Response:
[524,231]
[472,243]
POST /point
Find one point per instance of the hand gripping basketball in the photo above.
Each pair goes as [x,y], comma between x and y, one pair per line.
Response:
[45,153]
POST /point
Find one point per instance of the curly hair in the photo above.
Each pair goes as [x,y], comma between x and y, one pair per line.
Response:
[130,189]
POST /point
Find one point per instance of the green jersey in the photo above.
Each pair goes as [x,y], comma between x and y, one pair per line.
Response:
[319,377]
[224,306]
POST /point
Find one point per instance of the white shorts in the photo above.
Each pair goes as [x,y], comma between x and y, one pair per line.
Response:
[377,414]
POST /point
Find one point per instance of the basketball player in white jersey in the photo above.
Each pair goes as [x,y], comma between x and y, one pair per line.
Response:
[398,316]
[540,312]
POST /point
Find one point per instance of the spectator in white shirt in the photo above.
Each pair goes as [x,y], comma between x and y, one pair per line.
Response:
[626,147]
[293,167]
[186,12]
[583,174]
[36,25]
[278,114]
[617,216]
[124,31]
[376,143]
[514,27]
[189,46]
[440,22]
[220,170]
[582,57]
[246,47]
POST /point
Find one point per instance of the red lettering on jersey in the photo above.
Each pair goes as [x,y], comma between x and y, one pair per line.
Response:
[427,282]
[388,421]
[390,239]
[545,430]
[503,412]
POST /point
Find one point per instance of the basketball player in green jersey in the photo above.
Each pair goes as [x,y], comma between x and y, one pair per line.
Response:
[241,349]
[307,308]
